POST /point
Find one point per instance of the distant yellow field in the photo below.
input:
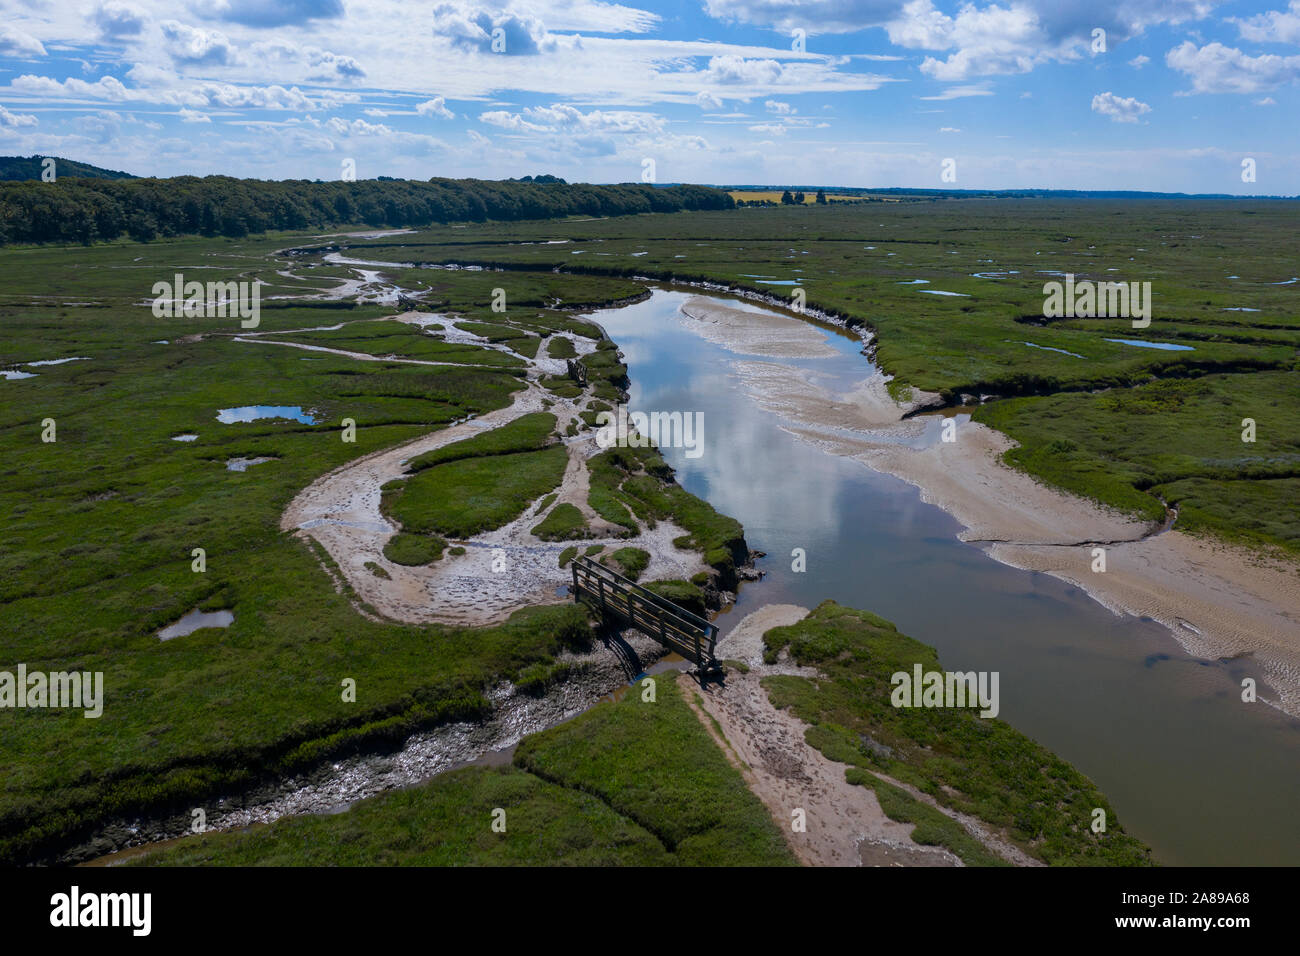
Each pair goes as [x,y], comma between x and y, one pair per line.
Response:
[774,195]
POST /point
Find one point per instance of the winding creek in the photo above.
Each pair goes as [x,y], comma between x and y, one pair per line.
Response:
[1201,778]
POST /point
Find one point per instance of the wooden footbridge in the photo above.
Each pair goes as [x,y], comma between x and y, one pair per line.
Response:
[622,599]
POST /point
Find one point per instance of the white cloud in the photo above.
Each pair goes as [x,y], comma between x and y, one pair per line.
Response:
[814,16]
[779,108]
[16,43]
[770,129]
[1216,68]
[708,101]
[116,19]
[322,65]
[435,107]
[731,70]
[1121,109]
[959,92]
[188,44]
[193,116]
[1272,27]
[469,27]
[1266,101]
[562,118]
[1139,61]
[10,120]
[949,129]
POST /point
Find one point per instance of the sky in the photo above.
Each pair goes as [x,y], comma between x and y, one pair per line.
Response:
[1168,95]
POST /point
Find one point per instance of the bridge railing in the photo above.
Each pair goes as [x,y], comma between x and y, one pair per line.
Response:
[674,627]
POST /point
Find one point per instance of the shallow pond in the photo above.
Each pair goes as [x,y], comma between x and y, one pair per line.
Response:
[193,621]
[1144,344]
[250,413]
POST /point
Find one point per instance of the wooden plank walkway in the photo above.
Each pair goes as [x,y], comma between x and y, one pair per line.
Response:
[619,597]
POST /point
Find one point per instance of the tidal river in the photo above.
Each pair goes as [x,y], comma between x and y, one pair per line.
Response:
[1202,778]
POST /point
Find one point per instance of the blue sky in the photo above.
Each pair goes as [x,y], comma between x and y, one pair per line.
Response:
[1018,93]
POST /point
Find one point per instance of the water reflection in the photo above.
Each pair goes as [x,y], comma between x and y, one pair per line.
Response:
[1191,770]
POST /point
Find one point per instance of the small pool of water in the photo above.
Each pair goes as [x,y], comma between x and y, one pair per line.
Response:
[13,374]
[1144,344]
[195,620]
[249,413]
[185,437]
[963,295]
[243,464]
[916,282]
[1048,348]
[62,361]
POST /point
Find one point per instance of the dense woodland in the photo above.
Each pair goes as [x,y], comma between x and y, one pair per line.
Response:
[90,210]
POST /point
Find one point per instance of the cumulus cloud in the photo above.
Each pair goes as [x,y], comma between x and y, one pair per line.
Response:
[1139,61]
[435,107]
[732,70]
[16,43]
[1022,34]
[1121,109]
[1274,26]
[116,19]
[1215,68]
[779,108]
[188,44]
[10,120]
[193,116]
[471,28]
[708,101]
[322,65]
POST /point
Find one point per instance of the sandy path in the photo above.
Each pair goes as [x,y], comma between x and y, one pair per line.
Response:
[845,825]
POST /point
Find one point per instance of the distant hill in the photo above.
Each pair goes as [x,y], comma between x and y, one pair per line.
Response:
[30,167]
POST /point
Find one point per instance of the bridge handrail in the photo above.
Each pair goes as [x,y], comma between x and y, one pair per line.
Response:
[586,566]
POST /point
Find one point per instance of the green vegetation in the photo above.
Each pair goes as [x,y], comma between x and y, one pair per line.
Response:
[564,523]
[560,347]
[526,433]
[414,550]
[627,783]
[567,555]
[33,167]
[629,562]
[974,765]
[462,498]
[1178,439]
[85,210]
[640,480]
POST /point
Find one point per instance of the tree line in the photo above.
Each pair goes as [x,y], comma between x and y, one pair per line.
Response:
[90,210]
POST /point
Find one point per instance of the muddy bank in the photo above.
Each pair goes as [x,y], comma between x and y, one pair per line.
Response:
[334,786]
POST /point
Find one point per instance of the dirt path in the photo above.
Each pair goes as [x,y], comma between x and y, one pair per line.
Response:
[844,824]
